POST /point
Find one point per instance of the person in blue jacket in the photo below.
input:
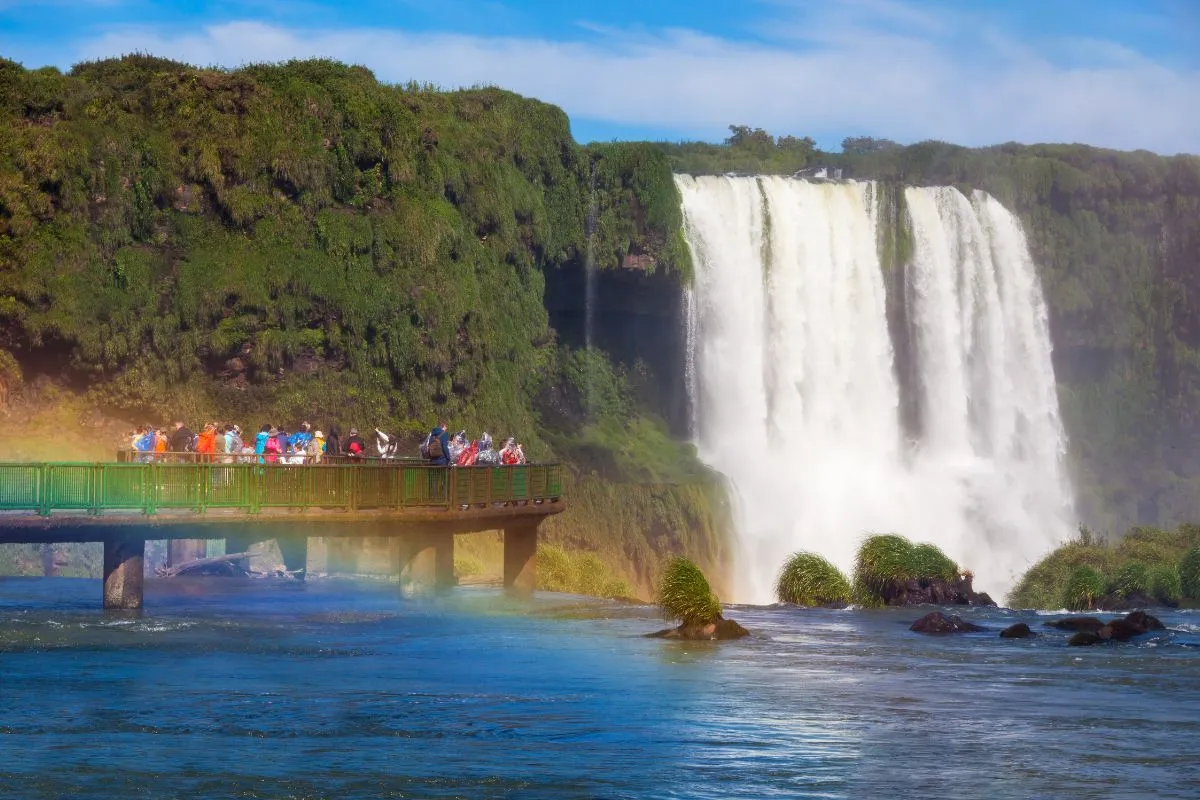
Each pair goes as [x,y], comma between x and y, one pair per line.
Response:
[443,438]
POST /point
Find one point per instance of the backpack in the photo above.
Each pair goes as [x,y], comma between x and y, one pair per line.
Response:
[355,448]
[435,448]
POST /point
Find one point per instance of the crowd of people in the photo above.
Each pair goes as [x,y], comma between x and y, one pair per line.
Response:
[225,443]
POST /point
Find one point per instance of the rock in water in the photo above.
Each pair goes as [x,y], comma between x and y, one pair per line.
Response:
[1146,621]
[719,630]
[1089,624]
[937,622]
[1018,631]
[1084,638]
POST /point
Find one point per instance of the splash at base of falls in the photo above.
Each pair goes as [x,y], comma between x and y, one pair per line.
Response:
[797,399]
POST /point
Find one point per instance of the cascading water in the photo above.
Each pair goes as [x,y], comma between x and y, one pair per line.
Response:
[796,396]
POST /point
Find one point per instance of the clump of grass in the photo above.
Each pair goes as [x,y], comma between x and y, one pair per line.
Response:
[1083,587]
[1132,578]
[928,561]
[555,569]
[1164,584]
[467,565]
[882,561]
[684,594]
[1189,574]
[807,579]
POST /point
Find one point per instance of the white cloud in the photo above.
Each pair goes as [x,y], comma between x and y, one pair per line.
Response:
[912,76]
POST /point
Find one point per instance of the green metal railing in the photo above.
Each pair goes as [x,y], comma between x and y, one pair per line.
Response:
[148,488]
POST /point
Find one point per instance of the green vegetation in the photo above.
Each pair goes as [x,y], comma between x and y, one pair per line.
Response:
[1165,585]
[886,561]
[299,241]
[1132,578]
[1189,573]
[1147,561]
[807,579]
[1084,587]
[579,572]
[684,594]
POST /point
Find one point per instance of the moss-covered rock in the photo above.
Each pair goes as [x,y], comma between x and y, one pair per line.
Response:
[808,579]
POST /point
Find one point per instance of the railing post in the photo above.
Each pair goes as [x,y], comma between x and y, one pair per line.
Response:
[44,498]
[353,487]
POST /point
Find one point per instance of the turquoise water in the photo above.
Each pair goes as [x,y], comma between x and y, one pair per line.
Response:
[341,690]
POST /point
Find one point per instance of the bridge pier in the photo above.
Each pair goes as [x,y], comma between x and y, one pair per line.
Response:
[520,556]
[124,573]
[181,551]
[426,562]
[294,550]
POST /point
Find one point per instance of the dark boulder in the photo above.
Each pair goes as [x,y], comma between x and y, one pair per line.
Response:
[1146,621]
[937,622]
[720,629]
[1127,602]
[934,592]
[1018,631]
[1089,624]
[1085,638]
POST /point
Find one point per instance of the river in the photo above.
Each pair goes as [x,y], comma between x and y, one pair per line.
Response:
[338,689]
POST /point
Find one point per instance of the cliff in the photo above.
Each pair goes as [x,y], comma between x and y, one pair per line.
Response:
[299,241]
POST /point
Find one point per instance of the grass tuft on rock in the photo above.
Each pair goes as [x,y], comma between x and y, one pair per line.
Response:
[1083,587]
[684,594]
[930,562]
[807,579]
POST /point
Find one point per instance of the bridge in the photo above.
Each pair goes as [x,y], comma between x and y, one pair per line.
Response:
[122,505]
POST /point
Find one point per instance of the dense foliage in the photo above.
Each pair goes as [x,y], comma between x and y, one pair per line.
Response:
[1084,587]
[885,561]
[807,579]
[684,594]
[300,240]
[1146,561]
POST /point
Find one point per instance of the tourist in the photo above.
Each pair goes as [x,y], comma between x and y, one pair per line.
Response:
[510,456]
[206,442]
[385,444]
[182,440]
[316,448]
[458,443]
[439,445]
[355,446]
[486,457]
[333,442]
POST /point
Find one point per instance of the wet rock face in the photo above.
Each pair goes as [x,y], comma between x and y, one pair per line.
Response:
[1018,631]
[1122,629]
[937,622]
[925,592]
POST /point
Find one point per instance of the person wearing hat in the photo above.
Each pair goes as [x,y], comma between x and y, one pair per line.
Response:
[355,446]
[316,448]
[260,442]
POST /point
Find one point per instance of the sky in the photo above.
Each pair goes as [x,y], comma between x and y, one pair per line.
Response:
[1112,73]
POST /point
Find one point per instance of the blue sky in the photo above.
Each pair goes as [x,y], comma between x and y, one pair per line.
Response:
[1116,73]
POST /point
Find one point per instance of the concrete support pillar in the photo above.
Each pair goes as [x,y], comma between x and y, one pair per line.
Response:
[294,549]
[520,556]
[240,542]
[181,551]
[426,562]
[123,573]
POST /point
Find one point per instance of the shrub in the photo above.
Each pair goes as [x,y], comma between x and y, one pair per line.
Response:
[1164,584]
[1083,587]
[465,566]
[928,561]
[684,594]
[1132,578]
[555,570]
[1189,574]
[807,579]
[883,560]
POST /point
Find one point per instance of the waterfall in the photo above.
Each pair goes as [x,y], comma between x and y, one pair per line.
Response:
[796,398]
